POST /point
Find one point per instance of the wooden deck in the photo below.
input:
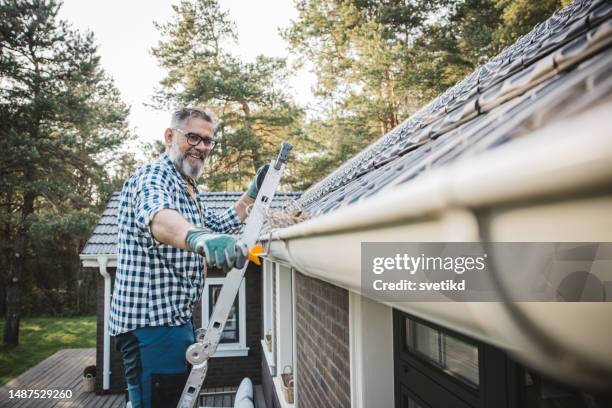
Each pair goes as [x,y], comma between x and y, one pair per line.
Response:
[62,371]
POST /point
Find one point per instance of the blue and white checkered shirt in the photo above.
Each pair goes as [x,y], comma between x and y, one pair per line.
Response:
[157,284]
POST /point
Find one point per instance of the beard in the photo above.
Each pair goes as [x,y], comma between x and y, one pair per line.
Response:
[180,160]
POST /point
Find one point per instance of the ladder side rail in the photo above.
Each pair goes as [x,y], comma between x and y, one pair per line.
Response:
[200,352]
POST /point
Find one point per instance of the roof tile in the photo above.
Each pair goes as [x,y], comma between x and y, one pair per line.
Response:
[103,240]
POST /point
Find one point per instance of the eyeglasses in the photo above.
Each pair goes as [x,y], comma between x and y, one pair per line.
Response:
[194,139]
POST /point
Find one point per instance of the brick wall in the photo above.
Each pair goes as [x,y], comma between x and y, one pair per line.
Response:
[224,371]
[322,340]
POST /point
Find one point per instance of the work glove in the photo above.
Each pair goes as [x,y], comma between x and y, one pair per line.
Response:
[218,250]
[257,181]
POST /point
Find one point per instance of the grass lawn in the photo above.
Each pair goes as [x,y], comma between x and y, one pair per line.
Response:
[41,337]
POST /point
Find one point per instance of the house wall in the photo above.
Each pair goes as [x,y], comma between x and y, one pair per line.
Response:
[225,371]
[322,342]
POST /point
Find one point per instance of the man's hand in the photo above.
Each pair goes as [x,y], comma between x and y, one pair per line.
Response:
[218,250]
[257,181]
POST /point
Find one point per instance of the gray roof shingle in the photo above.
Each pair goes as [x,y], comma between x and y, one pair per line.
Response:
[103,240]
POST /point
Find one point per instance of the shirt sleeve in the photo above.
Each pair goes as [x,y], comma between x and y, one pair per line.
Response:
[226,223]
[152,195]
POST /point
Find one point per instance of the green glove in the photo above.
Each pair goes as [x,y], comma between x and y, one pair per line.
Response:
[218,250]
[257,181]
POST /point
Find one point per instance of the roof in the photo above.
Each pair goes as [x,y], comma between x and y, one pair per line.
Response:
[560,68]
[103,240]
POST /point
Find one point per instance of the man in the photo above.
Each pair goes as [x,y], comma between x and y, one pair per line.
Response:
[163,227]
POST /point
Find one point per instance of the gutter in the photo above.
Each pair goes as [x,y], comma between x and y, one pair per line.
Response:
[566,163]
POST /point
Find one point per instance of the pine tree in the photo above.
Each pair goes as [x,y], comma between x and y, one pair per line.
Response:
[59,114]
[249,98]
[378,61]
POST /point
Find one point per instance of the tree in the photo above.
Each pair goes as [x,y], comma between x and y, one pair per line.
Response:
[59,113]
[248,97]
[520,16]
[378,61]
[360,53]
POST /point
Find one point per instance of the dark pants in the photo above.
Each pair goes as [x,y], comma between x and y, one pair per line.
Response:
[155,365]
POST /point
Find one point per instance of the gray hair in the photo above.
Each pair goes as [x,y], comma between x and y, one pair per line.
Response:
[180,116]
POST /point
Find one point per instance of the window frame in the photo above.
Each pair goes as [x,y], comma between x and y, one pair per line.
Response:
[279,319]
[284,317]
[422,364]
[443,334]
[269,269]
[234,349]
[371,352]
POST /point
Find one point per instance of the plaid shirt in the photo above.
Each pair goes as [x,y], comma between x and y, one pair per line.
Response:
[157,284]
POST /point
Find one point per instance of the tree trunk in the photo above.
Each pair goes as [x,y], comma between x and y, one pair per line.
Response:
[6,253]
[13,301]
[2,298]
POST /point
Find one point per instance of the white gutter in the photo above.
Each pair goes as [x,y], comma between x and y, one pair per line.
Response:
[554,163]
[91,261]
[103,261]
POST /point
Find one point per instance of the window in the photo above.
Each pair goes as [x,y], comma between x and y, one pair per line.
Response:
[278,343]
[233,339]
[284,317]
[456,357]
[436,367]
[231,332]
[268,342]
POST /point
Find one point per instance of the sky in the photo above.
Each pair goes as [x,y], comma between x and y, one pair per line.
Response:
[125,34]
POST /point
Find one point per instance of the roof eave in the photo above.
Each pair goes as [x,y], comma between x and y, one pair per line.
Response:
[93,260]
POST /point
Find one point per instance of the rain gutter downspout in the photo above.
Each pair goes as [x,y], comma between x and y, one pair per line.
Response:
[103,262]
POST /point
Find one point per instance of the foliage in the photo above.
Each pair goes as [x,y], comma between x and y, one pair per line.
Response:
[377,62]
[520,16]
[41,338]
[255,112]
[60,115]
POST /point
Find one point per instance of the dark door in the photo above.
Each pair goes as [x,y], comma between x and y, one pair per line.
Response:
[435,367]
